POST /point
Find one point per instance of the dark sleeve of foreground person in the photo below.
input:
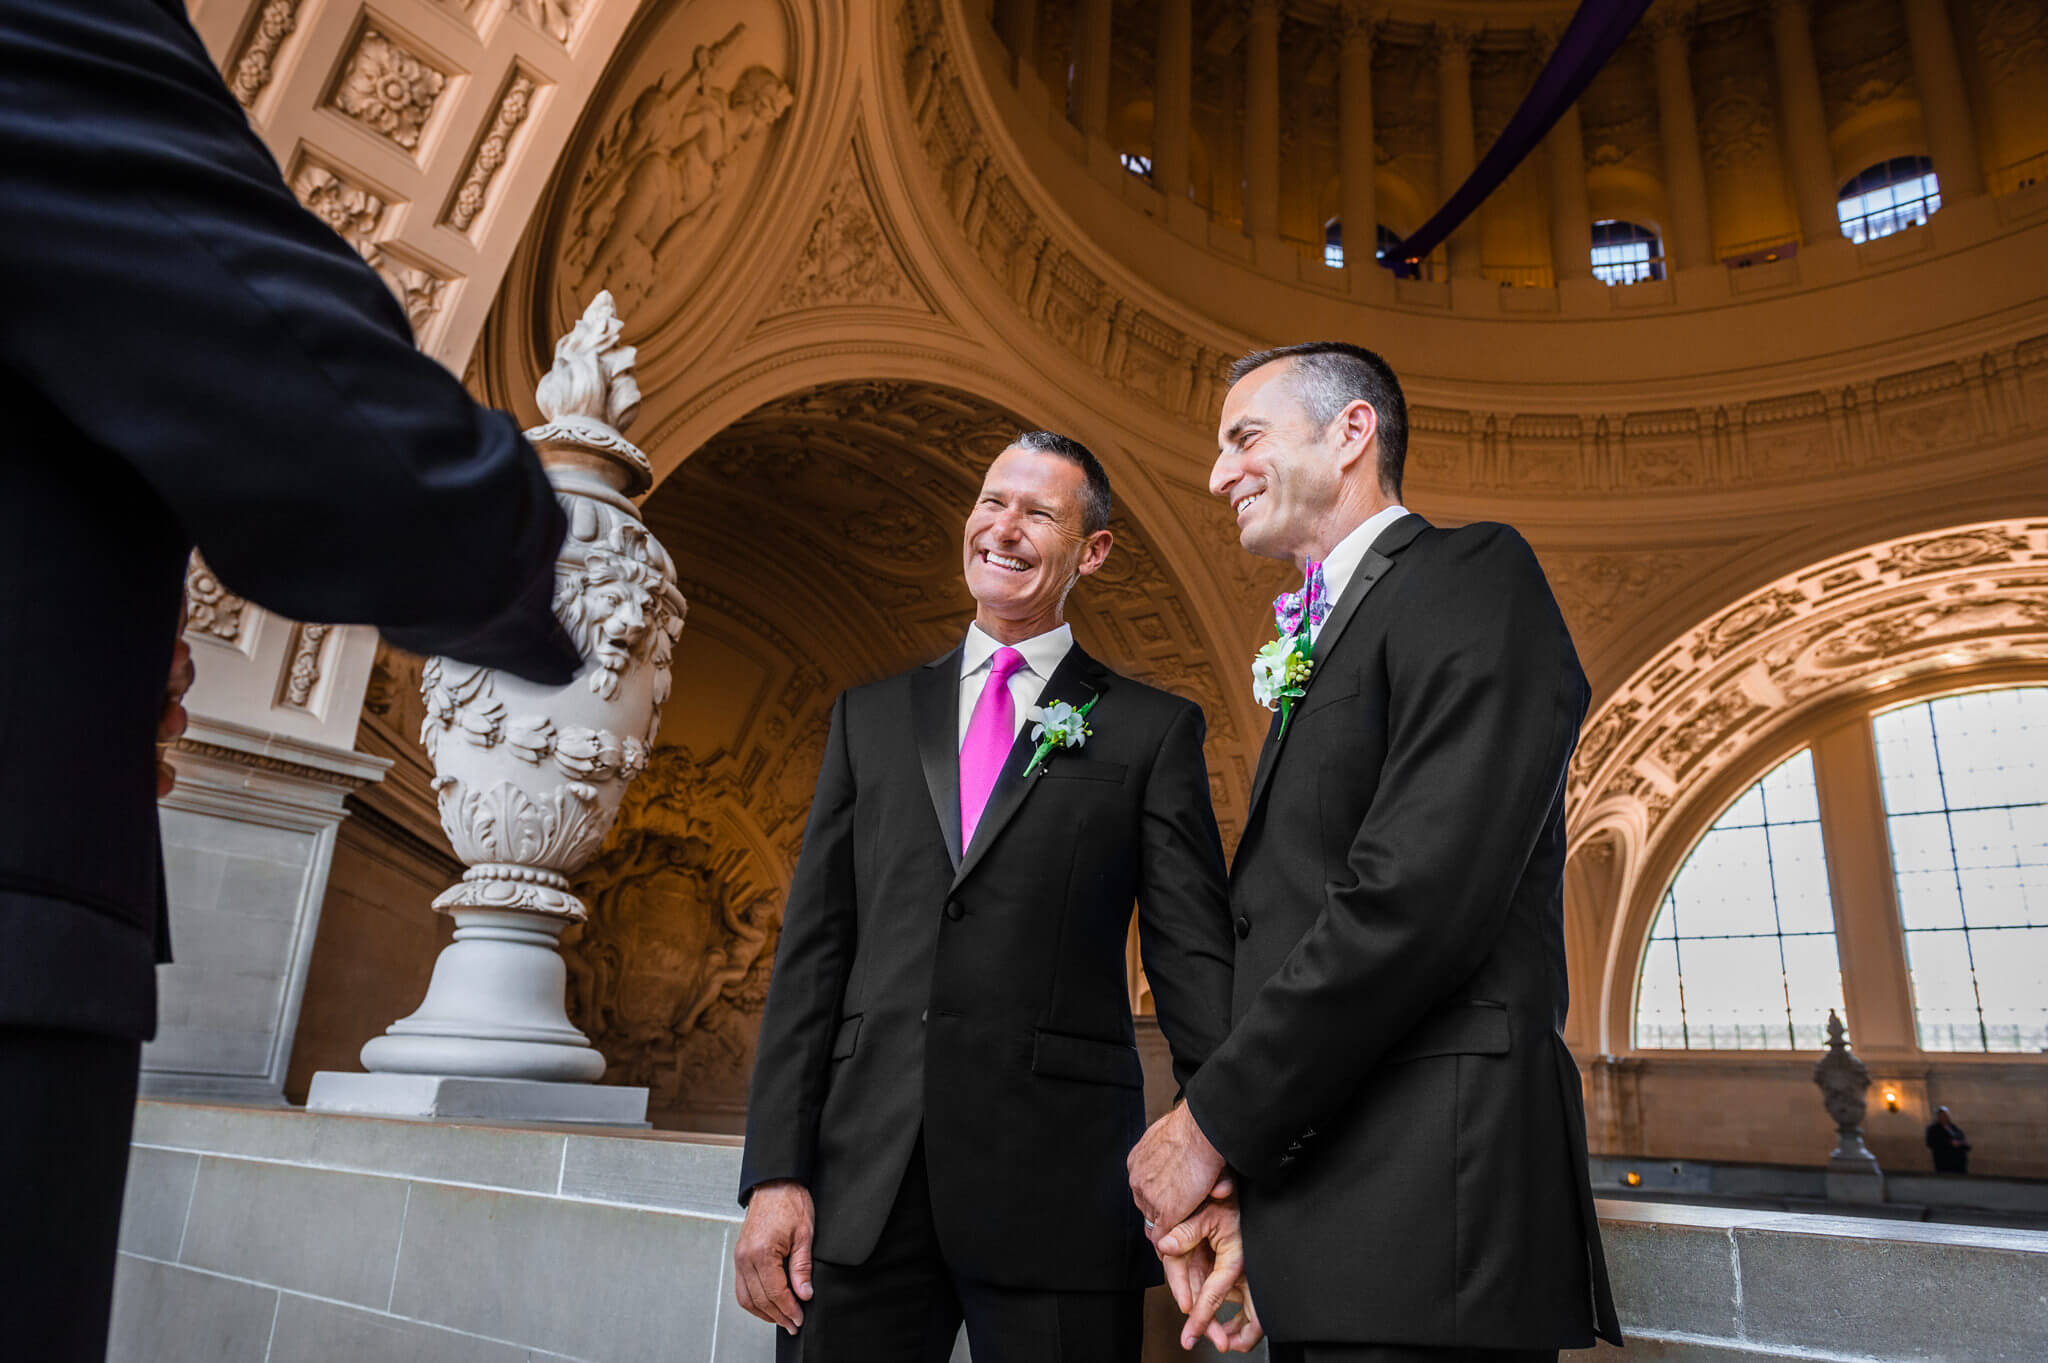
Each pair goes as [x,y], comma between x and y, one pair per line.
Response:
[173,304]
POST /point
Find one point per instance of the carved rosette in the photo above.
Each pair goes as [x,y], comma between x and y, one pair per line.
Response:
[530,777]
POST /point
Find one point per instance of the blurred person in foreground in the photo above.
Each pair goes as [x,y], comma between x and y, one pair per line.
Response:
[187,357]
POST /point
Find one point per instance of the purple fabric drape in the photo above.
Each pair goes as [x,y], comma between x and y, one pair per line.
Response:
[1587,42]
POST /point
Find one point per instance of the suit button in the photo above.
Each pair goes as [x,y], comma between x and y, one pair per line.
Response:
[1244,926]
[954,911]
[925,1016]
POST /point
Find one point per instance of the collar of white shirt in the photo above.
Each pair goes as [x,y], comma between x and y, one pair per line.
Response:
[1343,561]
[1042,653]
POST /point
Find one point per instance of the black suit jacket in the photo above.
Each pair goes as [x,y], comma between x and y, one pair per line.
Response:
[981,994]
[1396,1091]
[188,356]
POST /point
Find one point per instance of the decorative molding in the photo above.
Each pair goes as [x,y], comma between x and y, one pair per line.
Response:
[513,107]
[302,673]
[256,61]
[210,608]
[1858,621]
[388,88]
[352,209]
[421,288]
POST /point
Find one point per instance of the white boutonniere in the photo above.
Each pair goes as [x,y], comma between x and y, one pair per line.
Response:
[1060,725]
[1280,673]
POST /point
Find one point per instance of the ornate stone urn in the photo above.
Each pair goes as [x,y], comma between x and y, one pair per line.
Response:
[1853,1175]
[530,777]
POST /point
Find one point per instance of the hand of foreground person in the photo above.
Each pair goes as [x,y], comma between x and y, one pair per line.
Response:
[772,1261]
[170,721]
[1204,1259]
[1172,1168]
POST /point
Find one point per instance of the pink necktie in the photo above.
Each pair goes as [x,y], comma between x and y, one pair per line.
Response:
[991,732]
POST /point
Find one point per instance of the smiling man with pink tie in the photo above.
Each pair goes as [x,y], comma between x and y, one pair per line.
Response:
[946,1084]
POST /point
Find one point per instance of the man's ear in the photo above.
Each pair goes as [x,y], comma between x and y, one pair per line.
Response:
[1096,552]
[1356,430]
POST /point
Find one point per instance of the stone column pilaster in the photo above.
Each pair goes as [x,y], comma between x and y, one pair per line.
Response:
[1455,152]
[1017,24]
[1808,158]
[1571,216]
[1091,65]
[1172,97]
[1357,162]
[1689,235]
[1262,118]
[1951,132]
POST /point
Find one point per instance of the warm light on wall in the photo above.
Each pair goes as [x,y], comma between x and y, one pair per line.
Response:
[1632,1179]
[1891,1100]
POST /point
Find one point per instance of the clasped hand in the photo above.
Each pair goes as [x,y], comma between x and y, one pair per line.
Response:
[1190,1207]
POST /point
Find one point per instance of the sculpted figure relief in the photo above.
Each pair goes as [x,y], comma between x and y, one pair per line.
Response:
[666,165]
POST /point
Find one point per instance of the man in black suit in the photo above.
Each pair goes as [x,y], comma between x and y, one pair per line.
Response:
[1395,1098]
[186,356]
[946,1085]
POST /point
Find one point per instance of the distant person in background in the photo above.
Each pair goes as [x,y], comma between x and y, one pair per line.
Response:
[187,356]
[1945,1139]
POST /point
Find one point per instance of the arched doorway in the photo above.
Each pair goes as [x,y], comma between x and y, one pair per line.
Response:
[818,544]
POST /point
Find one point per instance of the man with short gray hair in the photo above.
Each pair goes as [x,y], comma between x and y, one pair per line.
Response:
[1395,1103]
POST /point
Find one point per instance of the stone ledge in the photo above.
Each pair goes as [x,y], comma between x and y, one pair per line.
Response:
[484,1240]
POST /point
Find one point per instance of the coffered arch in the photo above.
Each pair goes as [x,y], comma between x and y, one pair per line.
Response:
[1752,682]
[817,539]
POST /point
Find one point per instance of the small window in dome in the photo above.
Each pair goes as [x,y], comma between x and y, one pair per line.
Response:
[1140,166]
[1333,244]
[1889,197]
[1626,252]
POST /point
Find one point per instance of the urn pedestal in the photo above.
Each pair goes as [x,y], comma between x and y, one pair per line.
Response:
[529,780]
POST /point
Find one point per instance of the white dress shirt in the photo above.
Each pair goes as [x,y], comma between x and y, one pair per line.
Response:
[1041,655]
[1342,562]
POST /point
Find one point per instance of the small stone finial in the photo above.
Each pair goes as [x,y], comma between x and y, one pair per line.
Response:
[593,375]
[1843,1081]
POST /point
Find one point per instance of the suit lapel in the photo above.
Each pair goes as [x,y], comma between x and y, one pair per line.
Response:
[935,707]
[1075,680]
[1371,569]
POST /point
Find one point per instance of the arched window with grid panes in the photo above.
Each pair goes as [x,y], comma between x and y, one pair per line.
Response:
[1742,953]
[1965,785]
[1888,197]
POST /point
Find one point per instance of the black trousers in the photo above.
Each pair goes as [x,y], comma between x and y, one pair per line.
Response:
[905,1305]
[68,1111]
[1401,1353]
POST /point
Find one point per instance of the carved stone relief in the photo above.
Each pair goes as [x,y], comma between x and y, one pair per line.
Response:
[1974,594]
[1593,588]
[252,66]
[353,210]
[513,107]
[686,145]
[556,18]
[210,608]
[388,88]
[848,257]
